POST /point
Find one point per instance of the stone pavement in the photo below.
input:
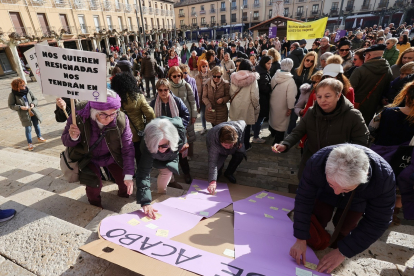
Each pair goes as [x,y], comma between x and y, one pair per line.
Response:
[54,218]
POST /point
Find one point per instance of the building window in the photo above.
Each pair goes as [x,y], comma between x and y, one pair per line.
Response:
[286,12]
[202,7]
[181,12]
[194,21]
[233,17]
[256,15]
[109,22]
[96,22]
[335,5]
[64,21]
[223,18]
[181,22]
[244,18]
[158,23]
[213,19]
[299,11]
[130,23]
[121,26]
[223,5]
[270,13]
[192,9]
[203,20]
[233,4]
[43,24]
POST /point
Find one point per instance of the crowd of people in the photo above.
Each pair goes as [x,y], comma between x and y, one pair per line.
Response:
[348,105]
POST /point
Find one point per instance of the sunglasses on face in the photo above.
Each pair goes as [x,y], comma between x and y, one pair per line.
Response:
[163,90]
[204,66]
[309,60]
[387,43]
[344,50]
[185,73]
[217,77]
[106,116]
[164,146]
[175,76]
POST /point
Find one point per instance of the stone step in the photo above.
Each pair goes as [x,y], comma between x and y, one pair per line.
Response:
[45,245]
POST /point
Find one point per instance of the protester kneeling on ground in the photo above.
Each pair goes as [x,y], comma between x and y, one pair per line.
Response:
[332,177]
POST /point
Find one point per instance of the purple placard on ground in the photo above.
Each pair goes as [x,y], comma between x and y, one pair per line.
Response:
[198,189]
[270,252]
[172,219]
[195,206]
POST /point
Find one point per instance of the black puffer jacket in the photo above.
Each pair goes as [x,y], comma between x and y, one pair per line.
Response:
[297,56]
[303,78]
[274,68]
[265,90]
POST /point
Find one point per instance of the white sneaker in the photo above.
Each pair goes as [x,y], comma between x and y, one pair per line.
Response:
[258,141]
[203,131]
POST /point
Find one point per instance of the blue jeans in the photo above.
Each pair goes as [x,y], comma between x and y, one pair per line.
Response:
[257,127]
[28,129]
[203,115]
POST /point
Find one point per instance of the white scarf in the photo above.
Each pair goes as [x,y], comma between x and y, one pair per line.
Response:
[173,107]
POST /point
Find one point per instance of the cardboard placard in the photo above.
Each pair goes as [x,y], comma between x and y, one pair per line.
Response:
[71,73]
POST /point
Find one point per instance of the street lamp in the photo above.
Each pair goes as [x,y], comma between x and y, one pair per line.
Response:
[242,20]
[250,22]
[230,17]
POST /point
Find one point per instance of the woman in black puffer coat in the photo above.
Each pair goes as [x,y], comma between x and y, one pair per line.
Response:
[265,90]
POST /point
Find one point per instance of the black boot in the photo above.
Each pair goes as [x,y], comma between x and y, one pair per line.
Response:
[187,178]
[174,184]
[233,164]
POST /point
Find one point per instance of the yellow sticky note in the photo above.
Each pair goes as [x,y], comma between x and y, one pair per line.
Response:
[284,209]
[252,200]
[196,185]
[311,265]
[274,208]
[194,192]
[268,216]
[158,215]
[146,219]
[134,222]
[270,197]
[262,195]
[182,198]
[162,233]
[198,189]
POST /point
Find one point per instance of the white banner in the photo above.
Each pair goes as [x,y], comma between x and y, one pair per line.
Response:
[71,73]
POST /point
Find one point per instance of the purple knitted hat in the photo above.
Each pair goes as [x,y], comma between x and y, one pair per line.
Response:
[113,101]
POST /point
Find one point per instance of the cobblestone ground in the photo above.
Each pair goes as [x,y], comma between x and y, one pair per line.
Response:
[262,169]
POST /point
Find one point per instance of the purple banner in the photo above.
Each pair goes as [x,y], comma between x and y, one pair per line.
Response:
[340,34]
[198,190]
[272,32]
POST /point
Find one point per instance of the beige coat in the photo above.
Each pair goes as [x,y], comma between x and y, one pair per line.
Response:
[210,97]
[229,65]
[281,100]
[245,105]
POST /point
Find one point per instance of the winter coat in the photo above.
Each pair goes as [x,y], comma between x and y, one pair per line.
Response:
[217,154]
[214,63]
[402,47]
[249,50]
[158,160]
[395,69]
[135,110]
[303,78]
[364,79]
[296,55]
[344,125]
[136,67]
[192,82]
[281,100]
[200,84]
[17,101]
[245,104]
[191,64]
[347,61]
[356,43]
[305,91]
[148,67]
[274,68]
[175,61]
[265,90]
[210,97]
[185,56]
[116,147]
[184,91]
[183,112]
[375,199]
[391,55]
[227,65]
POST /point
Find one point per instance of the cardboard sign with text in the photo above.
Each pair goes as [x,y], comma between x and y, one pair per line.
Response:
[71,73]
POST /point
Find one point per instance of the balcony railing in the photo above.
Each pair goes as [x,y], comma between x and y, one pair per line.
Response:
[315,12]
[45,31]
[286,14]
[118,6]
[244,18]
[203,12]
[255,17]
[233,7]
[83,29]
[79,4]
[400,3]
[127,8]
[193,13]
[301,1]
[270,3]
[194,24]
[287,2]
[245,6]
[94,5]
[181,15]
[349,8]
[107,5]
[145,10]
[382,4]
[157,11]
[62,4]
[150,10]
[212,10]
[315,0]
[203,24]
[22,31]
[162,12]
[299,13]
[223,9]
[334,10]
[256,4]
[68,29]
[365,7]
[233,19]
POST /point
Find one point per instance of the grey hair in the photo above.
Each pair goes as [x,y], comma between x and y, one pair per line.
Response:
[325,56]
[347,165]
[286,64]
[332,83]
[157,130]
[265,51]
[325,37]
[194,52]
[393,40]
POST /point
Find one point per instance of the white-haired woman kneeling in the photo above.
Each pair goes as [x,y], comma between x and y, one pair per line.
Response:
[164,138]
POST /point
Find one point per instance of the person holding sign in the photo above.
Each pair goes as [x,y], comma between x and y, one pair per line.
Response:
[100,126]
[22,100]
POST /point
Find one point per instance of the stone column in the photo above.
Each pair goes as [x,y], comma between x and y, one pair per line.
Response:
[107,45]
[20,72]
[94,46]
[79,44]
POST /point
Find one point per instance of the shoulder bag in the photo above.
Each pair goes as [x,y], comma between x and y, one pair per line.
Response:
[357,105]
[235,94]
[70,168]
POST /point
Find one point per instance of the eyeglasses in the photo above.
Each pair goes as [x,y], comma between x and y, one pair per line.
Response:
[163,90]
[344,50]
[175,76]
[217,77]
[105,116]
[310,60]
[203,66]
[387,43]
[164,146]
[185,73]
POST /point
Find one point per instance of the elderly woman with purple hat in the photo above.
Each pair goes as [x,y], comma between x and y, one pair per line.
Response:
[101,137]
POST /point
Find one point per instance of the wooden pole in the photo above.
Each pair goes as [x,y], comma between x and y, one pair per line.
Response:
[73,111]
